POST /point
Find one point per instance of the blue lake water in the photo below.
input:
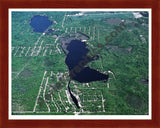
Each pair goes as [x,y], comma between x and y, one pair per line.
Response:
[40,23]
[78,53]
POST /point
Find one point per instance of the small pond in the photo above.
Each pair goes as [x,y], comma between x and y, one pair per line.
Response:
[40,23]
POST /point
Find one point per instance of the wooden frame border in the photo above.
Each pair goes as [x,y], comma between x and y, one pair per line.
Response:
[6,4]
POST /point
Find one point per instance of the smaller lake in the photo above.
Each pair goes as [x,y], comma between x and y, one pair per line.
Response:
[40,23]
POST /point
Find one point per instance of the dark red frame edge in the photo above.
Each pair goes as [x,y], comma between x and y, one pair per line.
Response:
[6,4]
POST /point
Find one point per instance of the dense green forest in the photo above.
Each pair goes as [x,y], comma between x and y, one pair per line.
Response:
[39,72]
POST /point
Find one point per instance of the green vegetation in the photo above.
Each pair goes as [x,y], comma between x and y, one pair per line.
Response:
[39,72]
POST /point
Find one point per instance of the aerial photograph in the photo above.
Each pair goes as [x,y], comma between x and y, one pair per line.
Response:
[79,62]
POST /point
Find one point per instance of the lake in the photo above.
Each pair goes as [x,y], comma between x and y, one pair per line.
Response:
[77,50]
[40,23]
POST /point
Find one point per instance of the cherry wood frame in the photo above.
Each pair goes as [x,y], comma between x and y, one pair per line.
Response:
[4,61]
